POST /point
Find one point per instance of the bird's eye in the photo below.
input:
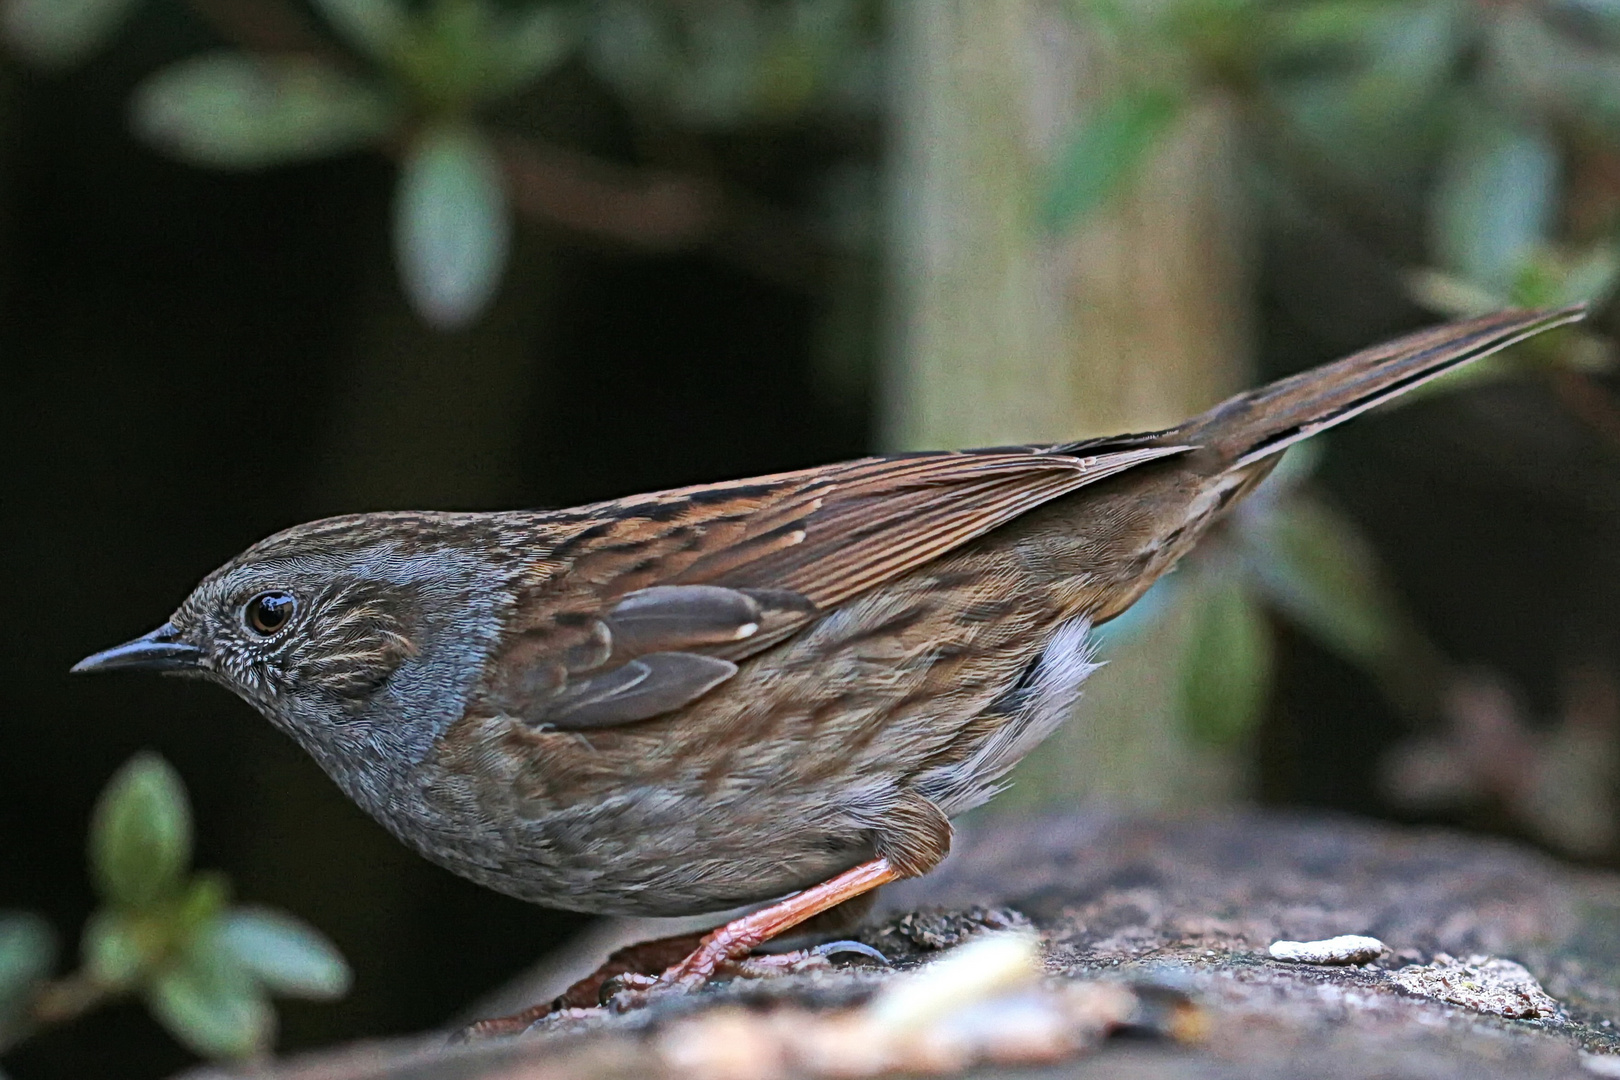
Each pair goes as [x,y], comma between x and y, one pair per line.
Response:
[269,612]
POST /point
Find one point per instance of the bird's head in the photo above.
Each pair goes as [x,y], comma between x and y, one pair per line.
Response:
[362,627]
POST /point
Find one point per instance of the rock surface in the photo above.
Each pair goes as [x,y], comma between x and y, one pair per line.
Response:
[1153,937]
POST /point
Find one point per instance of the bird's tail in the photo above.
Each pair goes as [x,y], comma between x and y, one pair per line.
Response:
[1260,423]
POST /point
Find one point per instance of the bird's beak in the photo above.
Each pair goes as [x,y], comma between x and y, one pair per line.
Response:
[161,650]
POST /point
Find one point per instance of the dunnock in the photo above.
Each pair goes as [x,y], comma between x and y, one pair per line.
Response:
[695,699]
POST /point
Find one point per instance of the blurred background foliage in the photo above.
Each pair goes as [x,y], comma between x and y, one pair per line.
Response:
[263,260]
[203,968]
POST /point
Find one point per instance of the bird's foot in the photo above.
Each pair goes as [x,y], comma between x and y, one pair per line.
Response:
[617,987]
[718,954]
[688,962]
[728,945]
[625,992]
[787,963]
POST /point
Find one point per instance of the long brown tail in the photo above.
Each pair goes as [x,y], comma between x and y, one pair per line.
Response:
[1263,422]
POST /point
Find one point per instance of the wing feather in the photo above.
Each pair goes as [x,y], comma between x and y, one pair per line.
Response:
[659,595]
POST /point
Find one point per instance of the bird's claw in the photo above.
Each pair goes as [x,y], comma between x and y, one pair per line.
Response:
[628,991]
[633,990]
[858,948]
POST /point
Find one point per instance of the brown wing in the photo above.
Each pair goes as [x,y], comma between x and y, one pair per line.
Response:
[653,599]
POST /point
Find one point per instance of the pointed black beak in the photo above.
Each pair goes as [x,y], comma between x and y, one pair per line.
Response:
[161,650]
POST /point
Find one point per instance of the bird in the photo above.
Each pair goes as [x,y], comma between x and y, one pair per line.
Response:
[773,690]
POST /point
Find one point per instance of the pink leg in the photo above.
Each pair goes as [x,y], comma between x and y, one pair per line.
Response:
[737,938]
[721,947]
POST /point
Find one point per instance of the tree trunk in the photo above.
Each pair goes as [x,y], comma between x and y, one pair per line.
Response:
[1135,319]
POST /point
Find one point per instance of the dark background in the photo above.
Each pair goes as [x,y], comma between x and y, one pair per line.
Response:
[177,348]
[181,378]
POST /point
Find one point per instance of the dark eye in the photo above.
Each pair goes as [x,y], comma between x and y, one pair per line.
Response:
[268,612]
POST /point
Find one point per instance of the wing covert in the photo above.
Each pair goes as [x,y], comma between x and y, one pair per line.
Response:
[658,597]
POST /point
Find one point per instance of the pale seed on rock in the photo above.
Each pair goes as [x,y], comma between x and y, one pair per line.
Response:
[1344,949]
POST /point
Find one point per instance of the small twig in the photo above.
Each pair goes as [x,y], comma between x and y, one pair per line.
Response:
[58,1002]
[68,998]
[657,210]
[651,209]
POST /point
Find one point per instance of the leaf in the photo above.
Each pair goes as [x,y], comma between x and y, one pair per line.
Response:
[1566,75]
[378,28]
[114,948]
[1118,19]
[27,950]
[1104,153]
[629,47]
[1448,294]
[1414,52]
[208,1001]
[451,224]
[1226,671]
[27,955]
[1314,565]
[1327,24]
[528,45]
[140,834]
[1495,200]
[1591,277]
[57,33]
[121,947]
[1599,20]
[284,954]
[234,111]
[202,903]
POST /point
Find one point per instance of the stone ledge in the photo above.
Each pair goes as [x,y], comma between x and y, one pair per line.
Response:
[1158,931]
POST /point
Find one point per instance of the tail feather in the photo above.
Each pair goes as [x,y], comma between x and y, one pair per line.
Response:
[1263,422]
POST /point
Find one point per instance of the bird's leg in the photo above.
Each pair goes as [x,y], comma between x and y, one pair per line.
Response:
[737,938]
[728,945]
[690,960]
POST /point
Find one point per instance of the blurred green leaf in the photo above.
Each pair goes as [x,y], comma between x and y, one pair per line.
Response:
[528,45]
[1220,37]
[116,948]
[235,111]
[1495,200]
[120,947]
[1104,153]
[202,903]
[1413,53]
[451,55]
[628,47]
[1225,673]
[1381,152]
[1330,24]
[140,834]
[451,224]
[1599,19]
[1314,565]
[1591,277]
[208,1001]
[377,28]
[1118,19]
[721,65]
[284,954]
[1449,295]
[27,955]
[1537,281]
[57,33]
[1563,74]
